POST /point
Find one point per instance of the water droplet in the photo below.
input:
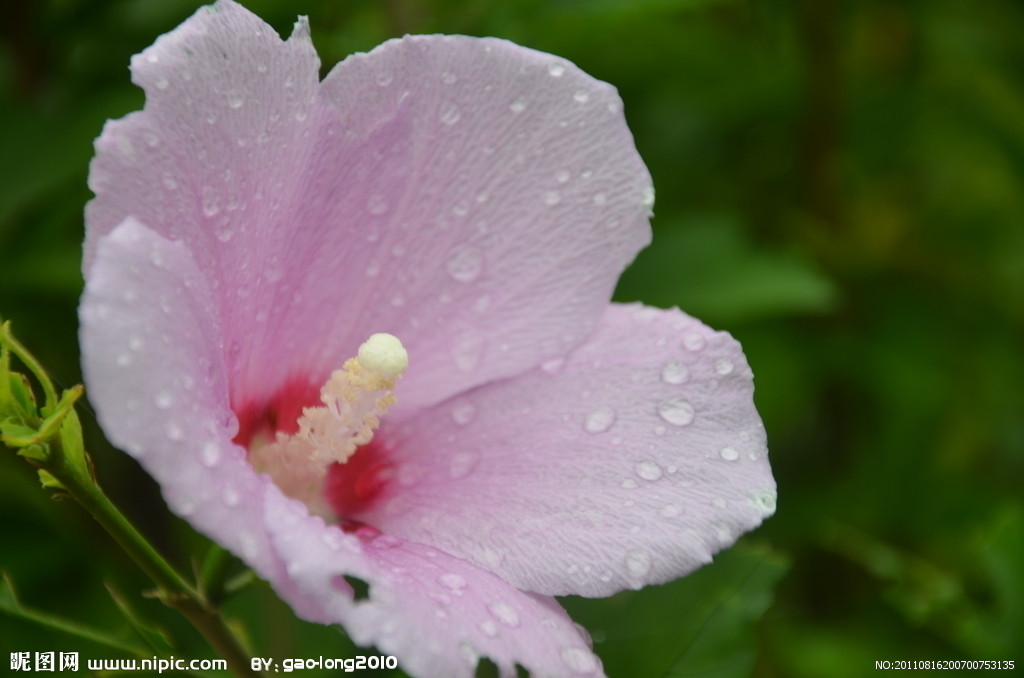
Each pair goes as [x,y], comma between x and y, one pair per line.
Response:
[482,304]
[174,431]
[504,613]
[648,196]
[579,660]
[600,199]
[552,197]
[301,113]
[676,411]
[449,78]
[659,430]
[372,269]
[135,342]
[211,201]
[465,264]
[628,484]
[517,106]
[556,70]
[376,204]
[488,627]
[452,581]
[694,341]
[648,470]
[163,400]
[764,502]
[235,99]
[600,420]
[638,563]
[124,360]
[724,366]
[449,113]
[562,176]
[463,412]
[170,183]
[231,496]
[162,83]
[384,79]
[467,351]
[210,453]
[729,453]
[153,58]
[398,300]
[674,372]
[462,464]
[670,511]
[582,96]
[553,366]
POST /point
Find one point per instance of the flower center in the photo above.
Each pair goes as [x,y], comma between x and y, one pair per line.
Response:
[354,398]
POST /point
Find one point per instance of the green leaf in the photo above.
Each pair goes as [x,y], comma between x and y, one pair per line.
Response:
[10,605]
[155,637]
[702,624]
[72,443]
[48,481]
[706,267]
[22,397]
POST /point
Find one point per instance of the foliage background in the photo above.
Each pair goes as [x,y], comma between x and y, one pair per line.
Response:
[839,185]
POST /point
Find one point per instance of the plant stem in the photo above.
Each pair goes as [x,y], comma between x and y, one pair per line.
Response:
[174,590]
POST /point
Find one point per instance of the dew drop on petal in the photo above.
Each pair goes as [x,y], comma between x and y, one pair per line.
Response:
[174,431]
[552,198]
[764,502]
[517,106]
[553,366]
[465,264]
[694,341]
[729,453]
[674,372]
[210,453]
[452,581]
[235,99]
[638,563]
[579,660]
[648,470]
[163,400]
[581,96]
[231,496]
[489,629]
[676,411]
[463,412]
[467,351]
[724,366]
[670,511]
[449,113]
[505,614]
[462,464]
[600,420]
[556,70]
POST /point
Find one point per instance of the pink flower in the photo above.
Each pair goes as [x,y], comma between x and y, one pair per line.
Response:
[253,226]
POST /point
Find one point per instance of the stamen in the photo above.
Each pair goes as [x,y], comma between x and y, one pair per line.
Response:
[354,398]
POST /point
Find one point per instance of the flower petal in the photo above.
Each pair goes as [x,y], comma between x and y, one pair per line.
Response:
[475,198]
[527,199]
[157,380]
[436,613]
[630,463]
[153,362]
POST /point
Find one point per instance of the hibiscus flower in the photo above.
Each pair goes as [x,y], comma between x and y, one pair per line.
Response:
[513,436]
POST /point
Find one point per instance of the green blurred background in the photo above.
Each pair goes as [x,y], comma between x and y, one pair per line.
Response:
[839,184]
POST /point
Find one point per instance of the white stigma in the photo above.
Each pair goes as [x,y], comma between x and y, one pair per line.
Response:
[354,398]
